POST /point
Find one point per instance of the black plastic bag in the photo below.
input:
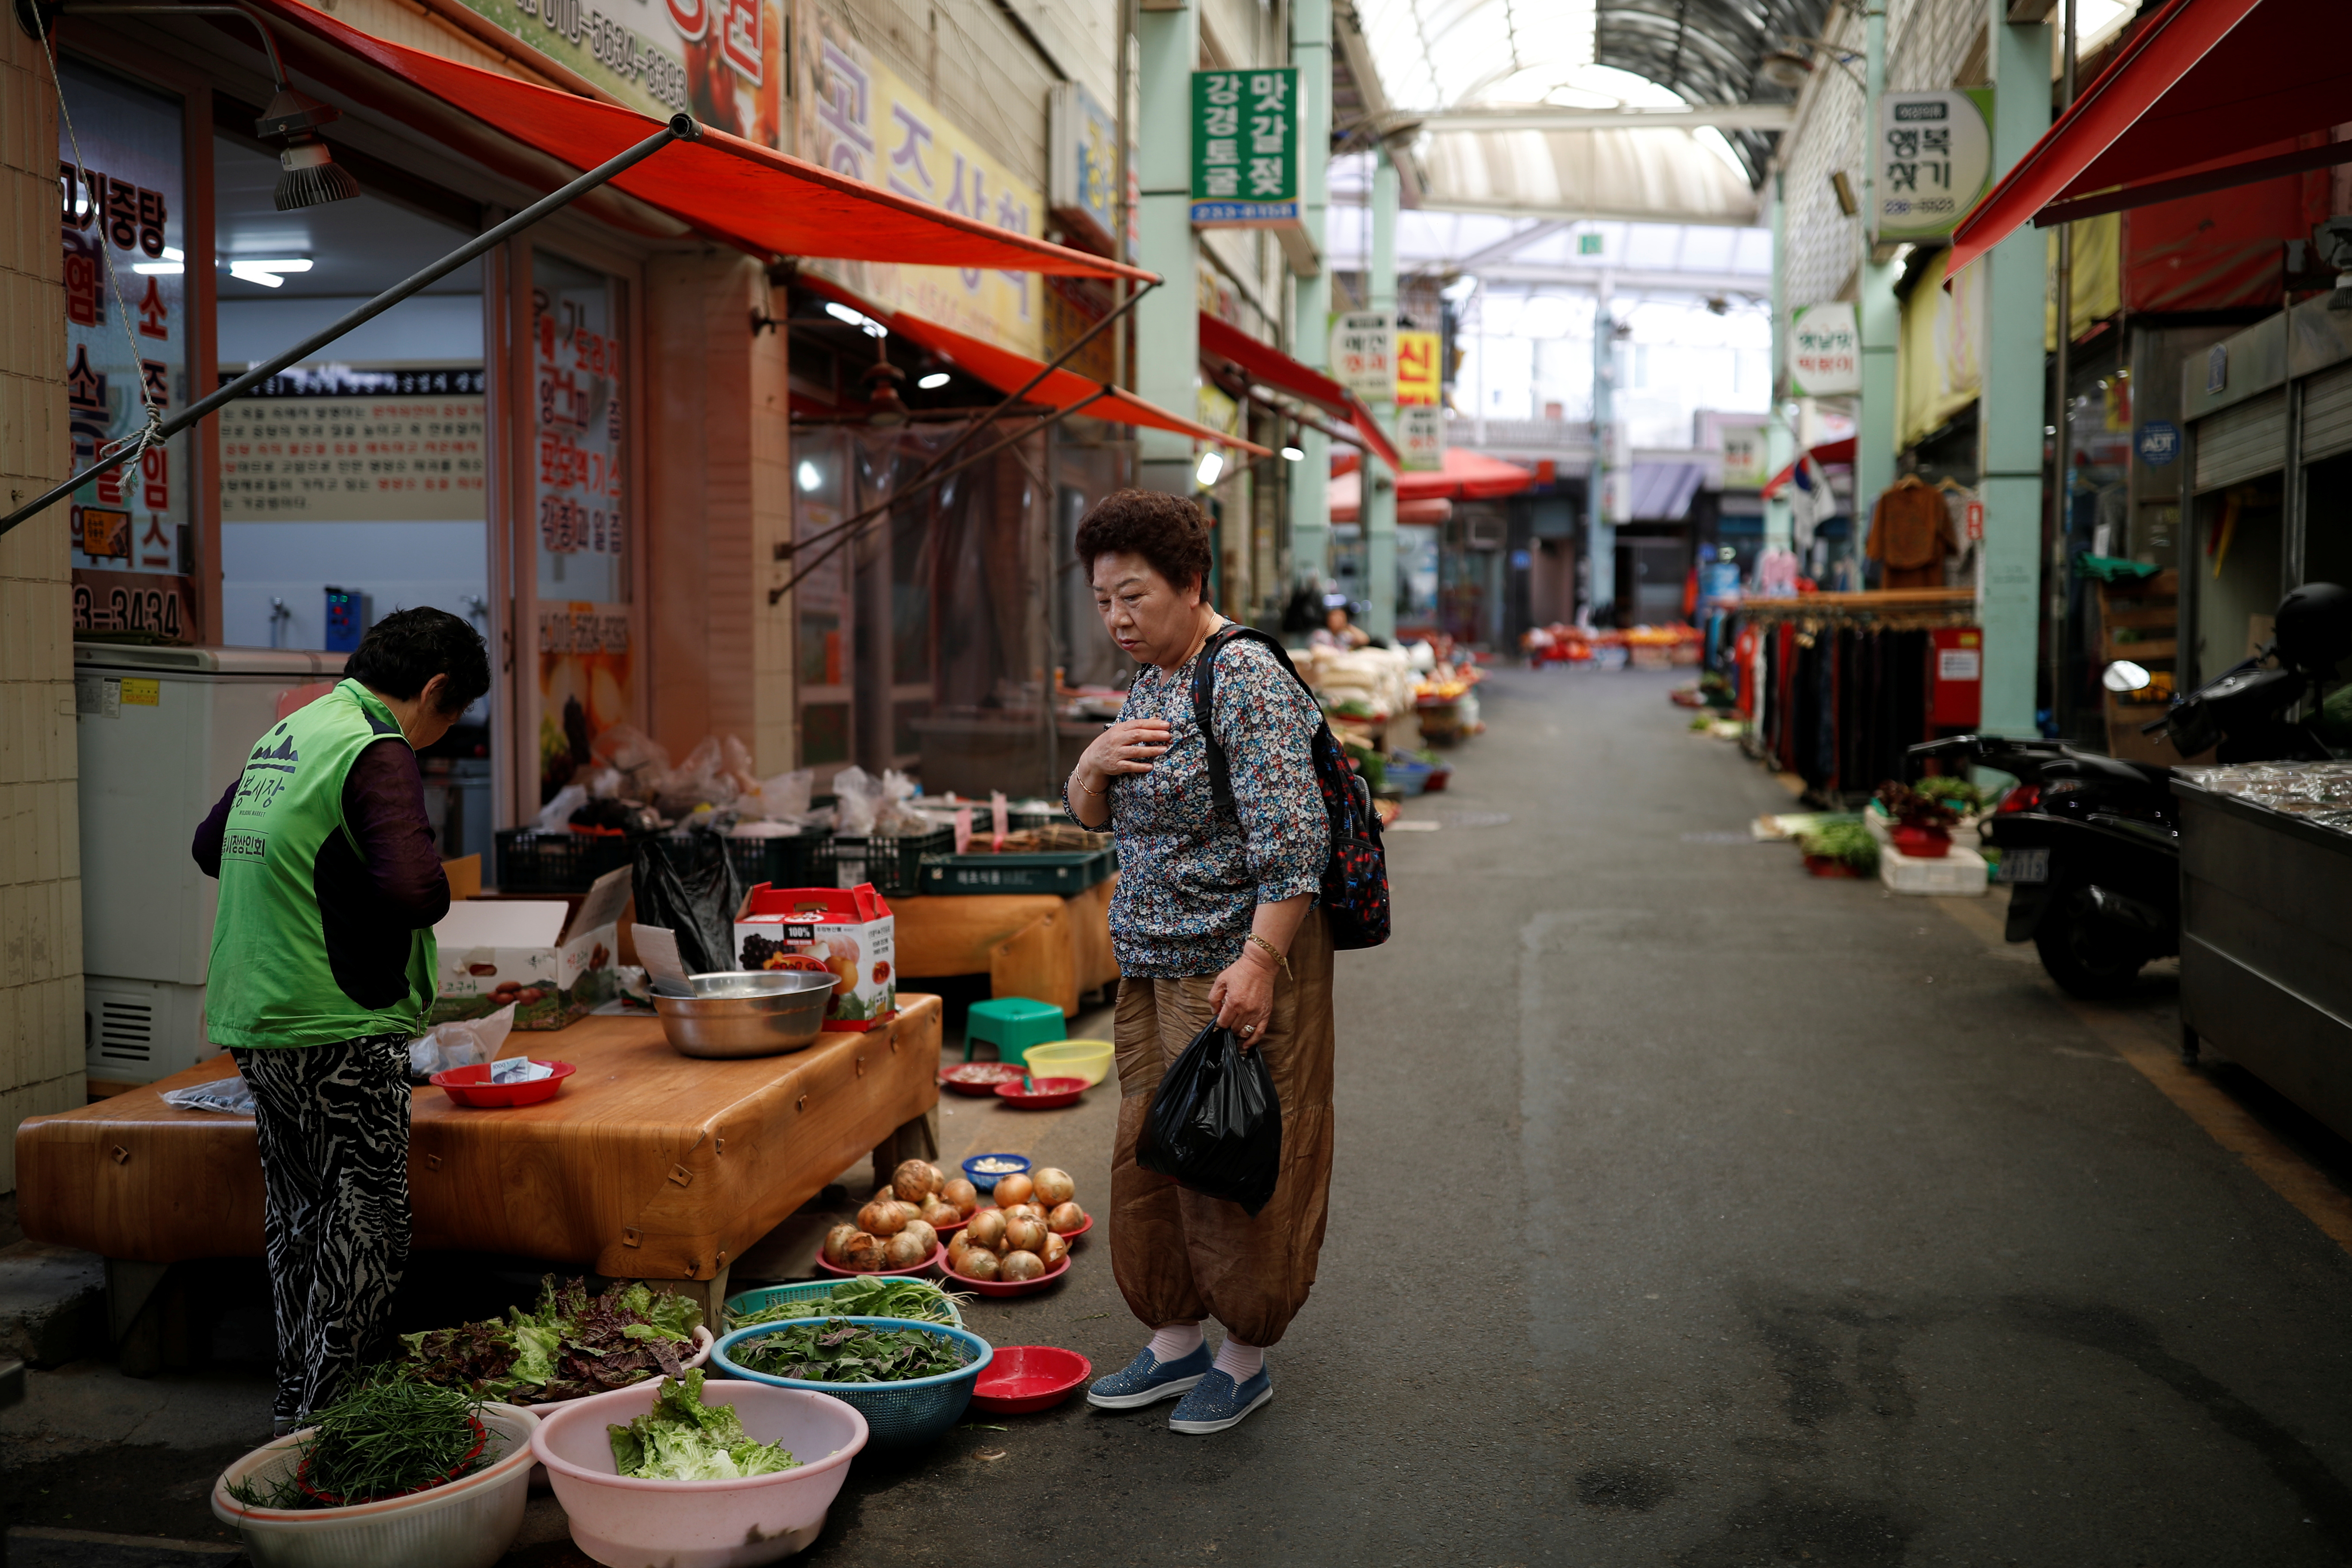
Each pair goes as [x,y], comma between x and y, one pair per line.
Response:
[687,883]
[1215,1123]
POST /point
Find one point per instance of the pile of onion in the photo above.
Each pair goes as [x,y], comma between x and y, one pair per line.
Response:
[899,1229]
[1023,1237]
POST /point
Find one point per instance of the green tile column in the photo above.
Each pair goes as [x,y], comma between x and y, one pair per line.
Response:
[1878,315]
[1310,317]
[1168,321]
[1379,511]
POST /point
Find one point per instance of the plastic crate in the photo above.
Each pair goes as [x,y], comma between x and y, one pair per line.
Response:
[1958,875]
[1062,871]
[780,862]
[894,866]
[533,862]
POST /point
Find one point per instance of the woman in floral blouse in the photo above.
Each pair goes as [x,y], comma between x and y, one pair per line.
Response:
[1213,917]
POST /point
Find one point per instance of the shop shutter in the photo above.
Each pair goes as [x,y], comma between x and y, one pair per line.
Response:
[2328,413]
[2242,442]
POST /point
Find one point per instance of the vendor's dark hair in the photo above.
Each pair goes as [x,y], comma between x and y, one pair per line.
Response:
[1166,530]
[408,648]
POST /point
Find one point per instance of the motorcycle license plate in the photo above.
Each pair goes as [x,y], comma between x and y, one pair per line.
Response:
[2024,865]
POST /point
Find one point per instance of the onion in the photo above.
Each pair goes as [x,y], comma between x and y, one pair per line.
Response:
[937,1215]
[1066,1218]
[862,1252]
[881,1217]
[964,1194]
[923,1231]
[909,1213]
[1054,1187]
[1025,1234]
[987,1228]
[836,1241]
[905,1250]
[1022,1265]
[1014,1189]
[979,1263]
[1025,1211]
[934,1177]
[1055,1250]
[911,1180]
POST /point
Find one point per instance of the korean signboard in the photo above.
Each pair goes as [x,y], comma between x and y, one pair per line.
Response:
[1746,460]
[1935,159]
[1363,353]
[721,61]
[1085,175]
[860,119]
[1824,350]
[126,307]
[1421,436]
[345,443]
[1245,148]
[1419,376]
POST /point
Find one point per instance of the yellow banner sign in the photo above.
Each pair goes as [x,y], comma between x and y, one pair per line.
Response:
[1419,377]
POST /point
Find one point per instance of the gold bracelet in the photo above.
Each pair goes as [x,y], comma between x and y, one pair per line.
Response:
[1279,956]
[1082,784]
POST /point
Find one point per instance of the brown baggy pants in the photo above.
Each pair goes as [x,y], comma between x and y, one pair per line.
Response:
[1180,1257]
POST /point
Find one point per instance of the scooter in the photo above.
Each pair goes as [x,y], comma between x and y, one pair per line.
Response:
[2090,845]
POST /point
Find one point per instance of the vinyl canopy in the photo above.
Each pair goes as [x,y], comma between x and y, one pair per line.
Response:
[2206,94]
[720,185]
[1270,366]
[1466,475]
[1008,372]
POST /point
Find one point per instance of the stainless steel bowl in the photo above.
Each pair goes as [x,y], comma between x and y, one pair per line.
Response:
[746,1012]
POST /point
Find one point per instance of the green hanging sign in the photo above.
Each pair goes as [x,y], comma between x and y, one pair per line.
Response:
[1245,148]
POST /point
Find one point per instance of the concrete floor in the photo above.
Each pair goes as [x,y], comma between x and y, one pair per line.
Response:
[1688,1211]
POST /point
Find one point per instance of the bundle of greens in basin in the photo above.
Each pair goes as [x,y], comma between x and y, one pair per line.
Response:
[389,1439]
[836,1351]
[867,1296]
[683,1439]
[569,1346]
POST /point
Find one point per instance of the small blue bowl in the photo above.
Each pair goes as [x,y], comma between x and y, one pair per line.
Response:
[986,1179]
[898,1414]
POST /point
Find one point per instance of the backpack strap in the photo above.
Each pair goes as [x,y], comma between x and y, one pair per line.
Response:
[1205,693]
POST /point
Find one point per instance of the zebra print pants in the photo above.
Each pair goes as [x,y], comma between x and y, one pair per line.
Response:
[333,1123]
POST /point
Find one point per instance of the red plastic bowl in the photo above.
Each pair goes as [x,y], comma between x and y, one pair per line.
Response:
[1023,1378]
[938,1260]
[1048,1093]
[1065,1236]
[980,1078]
[471,1086]
[1001,1286]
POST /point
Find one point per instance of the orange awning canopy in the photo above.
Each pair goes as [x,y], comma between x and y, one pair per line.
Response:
[2206,94]
[1008,372]
[1466,475]
[1278,370]
[740,192]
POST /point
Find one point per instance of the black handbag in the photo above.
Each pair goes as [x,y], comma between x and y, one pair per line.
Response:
[1215,1123]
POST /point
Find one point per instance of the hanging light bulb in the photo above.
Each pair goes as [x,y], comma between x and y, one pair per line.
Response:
[1213,463]
[313,177]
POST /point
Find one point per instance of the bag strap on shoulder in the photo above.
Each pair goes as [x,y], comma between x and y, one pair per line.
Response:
[1204,694]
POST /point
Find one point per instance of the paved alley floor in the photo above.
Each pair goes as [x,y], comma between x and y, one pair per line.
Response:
[1688,1211]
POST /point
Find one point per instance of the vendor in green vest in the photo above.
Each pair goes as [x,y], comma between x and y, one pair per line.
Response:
[322,971]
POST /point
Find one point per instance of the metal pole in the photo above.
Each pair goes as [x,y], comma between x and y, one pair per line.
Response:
[2061,699]
[681,127]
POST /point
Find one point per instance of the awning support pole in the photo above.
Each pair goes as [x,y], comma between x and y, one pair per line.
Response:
[681,128]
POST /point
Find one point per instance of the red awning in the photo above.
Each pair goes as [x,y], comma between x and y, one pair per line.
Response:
[1467,476]
[1278,370]
[1008,372]
[2206,94]
[730,189]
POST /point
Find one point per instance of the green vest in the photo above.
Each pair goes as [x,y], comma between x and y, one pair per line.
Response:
[279,977]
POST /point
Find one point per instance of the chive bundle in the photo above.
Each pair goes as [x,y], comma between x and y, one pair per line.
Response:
[384,1440]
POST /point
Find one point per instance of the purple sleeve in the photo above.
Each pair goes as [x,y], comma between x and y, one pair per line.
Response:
[211,829]
[384,803]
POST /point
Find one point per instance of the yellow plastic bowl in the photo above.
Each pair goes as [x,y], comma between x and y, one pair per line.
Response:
[1088,1059]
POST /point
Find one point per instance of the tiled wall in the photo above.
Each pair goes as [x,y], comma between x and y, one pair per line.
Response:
[40,871]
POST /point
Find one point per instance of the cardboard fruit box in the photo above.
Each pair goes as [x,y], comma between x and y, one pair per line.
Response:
[552,958]
[849,931]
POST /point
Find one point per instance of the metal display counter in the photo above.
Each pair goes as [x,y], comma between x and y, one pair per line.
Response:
[2266,929]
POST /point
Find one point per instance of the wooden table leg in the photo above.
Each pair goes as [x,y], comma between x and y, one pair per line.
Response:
[709,1294]
[147,1316]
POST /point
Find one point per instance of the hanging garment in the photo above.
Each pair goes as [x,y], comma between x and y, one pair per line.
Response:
[1908,534]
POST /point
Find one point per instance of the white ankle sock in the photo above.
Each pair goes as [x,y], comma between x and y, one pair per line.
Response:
[1175,1341]
[1240,1362]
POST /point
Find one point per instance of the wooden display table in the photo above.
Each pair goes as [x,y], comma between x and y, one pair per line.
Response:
[648,1165]
[1039,945]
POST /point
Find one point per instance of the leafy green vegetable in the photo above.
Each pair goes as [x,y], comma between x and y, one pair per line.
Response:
[387,1439]
[838,1352]
[875,1296]
[1842,839]
[683,1439]
[569,1345]
[1953,790]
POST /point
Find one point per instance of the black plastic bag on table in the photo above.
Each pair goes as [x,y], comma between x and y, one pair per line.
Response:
[685,882]
[1215,1123]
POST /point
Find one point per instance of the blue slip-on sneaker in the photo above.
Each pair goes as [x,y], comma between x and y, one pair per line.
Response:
[1216,1403]
[1148,1380]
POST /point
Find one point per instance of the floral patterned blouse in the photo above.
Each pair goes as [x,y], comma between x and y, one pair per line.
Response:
[1190,878]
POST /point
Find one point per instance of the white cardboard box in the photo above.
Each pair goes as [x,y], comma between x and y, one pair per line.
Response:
[555,964]
[1958,875]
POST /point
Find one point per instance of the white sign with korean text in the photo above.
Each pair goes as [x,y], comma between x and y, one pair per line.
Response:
[1363,353]
[1421,436]
[1824,350]
[1935,159]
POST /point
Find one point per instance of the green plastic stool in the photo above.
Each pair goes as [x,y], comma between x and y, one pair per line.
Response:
[1013,1024]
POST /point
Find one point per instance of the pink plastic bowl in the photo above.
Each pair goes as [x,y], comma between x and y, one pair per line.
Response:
[626,1522]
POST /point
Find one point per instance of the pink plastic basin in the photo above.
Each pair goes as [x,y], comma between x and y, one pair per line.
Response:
[628,1523]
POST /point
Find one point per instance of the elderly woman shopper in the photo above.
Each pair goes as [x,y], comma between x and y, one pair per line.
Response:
[1213,919]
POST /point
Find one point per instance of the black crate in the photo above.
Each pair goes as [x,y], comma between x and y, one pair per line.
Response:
[1062,871]
[894,866]
[788,862]
[533,862]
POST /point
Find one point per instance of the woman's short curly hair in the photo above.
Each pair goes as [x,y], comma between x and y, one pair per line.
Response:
[1166,530]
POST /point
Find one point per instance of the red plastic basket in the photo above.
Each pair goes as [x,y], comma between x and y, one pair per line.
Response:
[938,1260]
[1001,1286]
[471,1086]
[1041,1093]
[1024,1378]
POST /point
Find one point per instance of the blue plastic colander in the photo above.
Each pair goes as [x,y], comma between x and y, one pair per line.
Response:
[898,1414]
[769,1295]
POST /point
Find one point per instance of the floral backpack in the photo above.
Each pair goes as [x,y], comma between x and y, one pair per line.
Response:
[1355,896]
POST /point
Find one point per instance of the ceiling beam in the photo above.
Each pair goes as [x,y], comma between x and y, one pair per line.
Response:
[1723,117]
[1511,244]
[1629,279]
